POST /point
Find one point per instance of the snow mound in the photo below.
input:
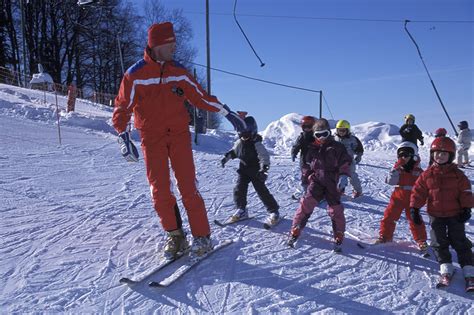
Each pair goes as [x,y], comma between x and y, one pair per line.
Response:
[280,135]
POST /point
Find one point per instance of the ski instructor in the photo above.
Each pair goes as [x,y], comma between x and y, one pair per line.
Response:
[155,90]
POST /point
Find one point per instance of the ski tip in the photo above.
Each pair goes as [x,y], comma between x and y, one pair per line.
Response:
[126,281]
[360,245]
[266,226]
[155,284]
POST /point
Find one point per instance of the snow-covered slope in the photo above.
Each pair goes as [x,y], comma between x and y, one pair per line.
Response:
[76,218]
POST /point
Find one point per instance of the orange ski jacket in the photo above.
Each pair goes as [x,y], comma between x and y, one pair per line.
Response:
[156,92]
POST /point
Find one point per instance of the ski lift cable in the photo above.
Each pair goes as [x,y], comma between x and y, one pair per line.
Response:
[248,41]
[327,106]
[429,76]
[260,80]
[336,18]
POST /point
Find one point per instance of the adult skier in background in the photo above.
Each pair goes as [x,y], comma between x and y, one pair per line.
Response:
[447,192]
[464,141]
[410,132]
[403,176]
[154,89]
[253,168]
[355,149]
[330,168]
[305,138]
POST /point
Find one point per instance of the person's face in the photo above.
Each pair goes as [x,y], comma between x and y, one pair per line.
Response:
[341,131]
[410,121]
[163,52]
[441,157]
[307,128]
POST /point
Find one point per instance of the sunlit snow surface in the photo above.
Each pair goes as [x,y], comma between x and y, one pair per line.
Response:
[76,218]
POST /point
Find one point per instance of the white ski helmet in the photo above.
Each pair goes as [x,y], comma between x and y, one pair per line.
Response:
[408,146]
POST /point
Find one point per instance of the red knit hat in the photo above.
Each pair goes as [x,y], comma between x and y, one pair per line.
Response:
[160,34]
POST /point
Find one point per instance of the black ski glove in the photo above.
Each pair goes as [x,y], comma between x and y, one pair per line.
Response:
[422,142]
[293,157]
[465,215]
[415,215]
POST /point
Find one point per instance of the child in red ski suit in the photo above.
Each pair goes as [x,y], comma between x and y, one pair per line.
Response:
[447,192]
[330,169]
[403,176]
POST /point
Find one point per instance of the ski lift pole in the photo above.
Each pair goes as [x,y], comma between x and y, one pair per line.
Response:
[432,83]
[321,104]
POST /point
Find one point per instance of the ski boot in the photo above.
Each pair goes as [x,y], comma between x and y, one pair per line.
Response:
[200,247]
[176,244]
[239,214]
[381,240]
[468,272]
[272,219]
[338,242]
[294,234]
[423,247]
[356,194]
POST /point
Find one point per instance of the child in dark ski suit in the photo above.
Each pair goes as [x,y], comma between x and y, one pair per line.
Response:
[410,132]
[301,146]
[447,192]
[253,168]
[330,169]
[403,176]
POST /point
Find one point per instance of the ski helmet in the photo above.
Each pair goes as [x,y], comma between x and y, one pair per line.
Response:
[440,132]
[407,147]
[307,122]
[251,129]
[344,124]
[444,144]
[463,125]
[409,116]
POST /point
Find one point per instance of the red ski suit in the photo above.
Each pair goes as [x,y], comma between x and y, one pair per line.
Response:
[155,92]
[399,201]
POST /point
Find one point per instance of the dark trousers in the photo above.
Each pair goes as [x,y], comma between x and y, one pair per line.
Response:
[449,231]
[241,189]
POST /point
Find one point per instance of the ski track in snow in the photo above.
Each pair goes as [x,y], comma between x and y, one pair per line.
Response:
[76,218]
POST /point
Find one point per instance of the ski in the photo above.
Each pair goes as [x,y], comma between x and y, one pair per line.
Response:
[146,274]
[229,222]
[188,265]
[268,225]
[444,280]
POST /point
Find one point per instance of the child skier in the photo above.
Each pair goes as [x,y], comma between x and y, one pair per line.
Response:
[253,168]
[403,176]
[355,149]
[464,140]
[410,132]
[301,146]
[330,168]
[447,192]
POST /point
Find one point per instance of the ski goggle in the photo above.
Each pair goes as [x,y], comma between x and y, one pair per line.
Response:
[405,154]
[321,134]
[341,130]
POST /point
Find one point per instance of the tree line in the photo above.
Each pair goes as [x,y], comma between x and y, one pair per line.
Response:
[84,45]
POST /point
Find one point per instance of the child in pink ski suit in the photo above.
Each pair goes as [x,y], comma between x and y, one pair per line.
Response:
[330,169]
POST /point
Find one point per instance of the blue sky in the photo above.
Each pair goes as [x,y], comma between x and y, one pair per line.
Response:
[368,71]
